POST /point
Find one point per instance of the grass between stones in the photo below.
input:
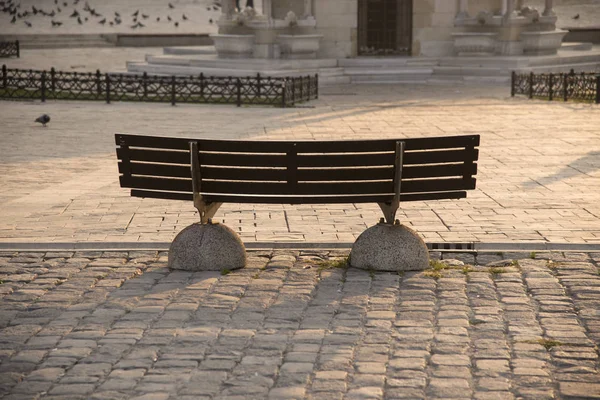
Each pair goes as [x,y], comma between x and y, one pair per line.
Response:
[547,343]
[339,263]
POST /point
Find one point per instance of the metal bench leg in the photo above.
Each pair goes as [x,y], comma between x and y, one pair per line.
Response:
[390,209]
[206,210]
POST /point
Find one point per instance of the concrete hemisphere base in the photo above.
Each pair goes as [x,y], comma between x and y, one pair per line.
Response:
[208,247]
[385,247]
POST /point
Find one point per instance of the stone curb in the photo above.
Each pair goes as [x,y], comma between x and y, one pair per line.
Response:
[164,246]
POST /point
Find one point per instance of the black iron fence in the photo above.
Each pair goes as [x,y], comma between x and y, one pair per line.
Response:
[584,86]
[58,85]
[10,49]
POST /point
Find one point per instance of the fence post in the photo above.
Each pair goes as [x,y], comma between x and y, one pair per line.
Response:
[563,78]
[301,88]
[316,86]
[52,79]
[173,90]
[293,91]
[201,84]
[597,88]
[238,86]
[145,84]
[283,90]
[513,79]
[107,88]
[309,87]
[531,85]
[98,83]
[43,86]
[551,88]
[18,49]
[258,84]
[4,76]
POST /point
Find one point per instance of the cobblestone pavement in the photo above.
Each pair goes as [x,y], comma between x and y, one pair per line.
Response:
[294,325]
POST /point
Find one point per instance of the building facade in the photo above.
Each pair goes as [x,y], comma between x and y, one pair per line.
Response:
[429,28]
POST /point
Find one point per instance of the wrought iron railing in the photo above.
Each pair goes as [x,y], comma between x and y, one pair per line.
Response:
[58,85]
[10,49]
[584,86]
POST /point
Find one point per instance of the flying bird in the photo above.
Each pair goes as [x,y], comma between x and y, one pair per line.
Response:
[28,24]
[135,14]
[576,16]
[103,21]
[176,24]
[184,17]
[171,5]
[43,119]
[157,19]
[79,21]
[145,16]
[75,14]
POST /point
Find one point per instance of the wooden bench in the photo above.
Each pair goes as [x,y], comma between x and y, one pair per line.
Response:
[212,172]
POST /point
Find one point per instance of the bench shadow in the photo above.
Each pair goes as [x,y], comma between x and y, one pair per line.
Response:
[585,165]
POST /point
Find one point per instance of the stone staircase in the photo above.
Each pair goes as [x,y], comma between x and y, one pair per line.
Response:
[373,70]
[44,41]
[188,61]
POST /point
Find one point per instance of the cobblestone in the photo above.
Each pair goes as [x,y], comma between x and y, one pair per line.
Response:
[314,333]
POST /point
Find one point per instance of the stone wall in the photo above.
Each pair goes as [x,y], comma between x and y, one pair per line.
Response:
[282,7]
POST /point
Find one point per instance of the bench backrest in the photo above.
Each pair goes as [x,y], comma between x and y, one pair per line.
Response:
[294,172]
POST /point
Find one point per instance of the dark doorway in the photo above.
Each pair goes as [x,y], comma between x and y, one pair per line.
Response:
[384,27]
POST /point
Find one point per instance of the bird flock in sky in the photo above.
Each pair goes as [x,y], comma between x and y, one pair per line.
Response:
[71,11]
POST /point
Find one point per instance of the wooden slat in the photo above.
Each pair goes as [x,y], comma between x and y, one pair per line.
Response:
[301,146]
[183,171]
[437,185]
[299,199]
[341,174]
[160,156]
[162,195]
[257,188]
[437,156]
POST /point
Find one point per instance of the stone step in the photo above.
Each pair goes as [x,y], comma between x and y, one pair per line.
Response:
[214,62]
[387,62]
[189,50]
[58,41]
[580,46]
[470,71]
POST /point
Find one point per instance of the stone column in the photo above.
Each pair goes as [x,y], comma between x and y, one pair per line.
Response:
[227,7]
[267,8]
[548,11]
[308,8]
[519,5]
[508,8]
[463,9]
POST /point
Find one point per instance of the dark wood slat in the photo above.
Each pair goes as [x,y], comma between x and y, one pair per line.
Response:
[437,185]
[301,146]
[183,171]
[433,196]
[349,160]
[162,195]
[257,188]
[342,174]
[299,199]
[160,156]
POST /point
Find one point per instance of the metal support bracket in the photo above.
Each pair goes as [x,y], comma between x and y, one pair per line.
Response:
[390,209]
[207,210]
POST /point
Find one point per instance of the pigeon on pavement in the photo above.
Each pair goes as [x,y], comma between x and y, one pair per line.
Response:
[43,119]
